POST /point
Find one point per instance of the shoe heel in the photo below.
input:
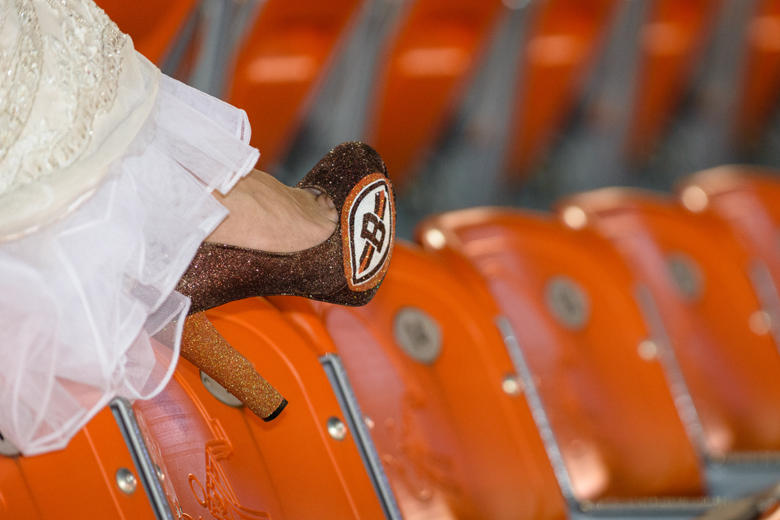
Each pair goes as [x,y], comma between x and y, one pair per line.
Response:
[203,346]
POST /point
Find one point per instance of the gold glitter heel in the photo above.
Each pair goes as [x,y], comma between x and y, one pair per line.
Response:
[203,346]
[346,269]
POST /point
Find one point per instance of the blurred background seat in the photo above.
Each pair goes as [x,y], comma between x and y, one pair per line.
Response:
[706,307]
[283,59]
[563,41]
[436,49]
[571,303]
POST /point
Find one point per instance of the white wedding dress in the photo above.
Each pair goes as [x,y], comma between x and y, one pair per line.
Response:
[106,173]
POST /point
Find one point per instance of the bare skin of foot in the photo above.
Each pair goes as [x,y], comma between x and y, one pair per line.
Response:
[269,216]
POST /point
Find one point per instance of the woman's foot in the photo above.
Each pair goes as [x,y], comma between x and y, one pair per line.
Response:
[268,216]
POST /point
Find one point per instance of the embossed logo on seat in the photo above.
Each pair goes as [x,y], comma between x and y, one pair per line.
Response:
[218,496]
[368,231]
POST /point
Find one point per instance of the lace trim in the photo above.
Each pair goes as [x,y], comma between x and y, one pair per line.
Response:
[79,68]
[21,67]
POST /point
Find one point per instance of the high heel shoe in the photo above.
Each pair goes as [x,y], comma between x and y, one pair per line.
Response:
[346,269]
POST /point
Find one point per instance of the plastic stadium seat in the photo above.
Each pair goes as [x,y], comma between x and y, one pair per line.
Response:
[281,62]
[747,199]
[760,83]
[672,41]
[700,278]
[225,461]
[442,398]
[199,454]
[428,64]
[152,25]
[572,304]
[80,481]
[564,38]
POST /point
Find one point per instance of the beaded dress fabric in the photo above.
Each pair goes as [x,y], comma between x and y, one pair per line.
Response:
[106,173]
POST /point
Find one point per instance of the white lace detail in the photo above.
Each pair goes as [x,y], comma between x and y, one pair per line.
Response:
[56,83]
[20,72]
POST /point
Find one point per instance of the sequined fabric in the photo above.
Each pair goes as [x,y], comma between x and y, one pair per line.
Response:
[203,346]
[59,75]
[222,273]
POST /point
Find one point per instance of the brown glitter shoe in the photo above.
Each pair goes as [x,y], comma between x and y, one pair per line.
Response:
[345,269]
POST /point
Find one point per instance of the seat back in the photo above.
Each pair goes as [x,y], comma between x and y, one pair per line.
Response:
[564,38]
[80,481]
[760,78]
[700,278]
[672,41]
[747,199]
[430,369]
[223,460]
[280,64]
[572,304]
[428,63]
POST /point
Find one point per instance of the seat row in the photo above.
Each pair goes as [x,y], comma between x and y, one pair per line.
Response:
[617,357]
[399,74]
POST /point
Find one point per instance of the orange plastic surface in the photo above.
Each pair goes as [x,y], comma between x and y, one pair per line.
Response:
[761,76]
[563,41]
[75,483]
[671,44]
[280,64]
[613,416]
[454,445]
[437,47]
[218,459]
[747,198]
[151,24]
[727,356]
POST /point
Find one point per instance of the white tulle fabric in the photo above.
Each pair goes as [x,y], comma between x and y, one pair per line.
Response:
[88,309]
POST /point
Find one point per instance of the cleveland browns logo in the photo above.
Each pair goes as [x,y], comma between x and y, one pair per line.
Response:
[368,231]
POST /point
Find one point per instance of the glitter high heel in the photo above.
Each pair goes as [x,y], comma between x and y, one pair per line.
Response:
[346,269]
[203,346]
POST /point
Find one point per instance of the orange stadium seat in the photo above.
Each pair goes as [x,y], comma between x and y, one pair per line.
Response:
[225,461]
[707,307]
[441,395]
[672,41]
[571,302]
[284,58]
[200,454]
[94,477]
[152,25]
[437,47]
[564,38]
[760,82]
[748,200]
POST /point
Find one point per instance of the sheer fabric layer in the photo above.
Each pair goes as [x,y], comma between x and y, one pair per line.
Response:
[87,306]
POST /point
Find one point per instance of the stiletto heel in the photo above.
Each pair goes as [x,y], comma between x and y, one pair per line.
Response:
[346,269]
[203,346]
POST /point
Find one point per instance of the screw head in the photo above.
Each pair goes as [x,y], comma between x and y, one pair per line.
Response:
[126,481]
[647,350]
[760,322]
[337,429]
[512,385]
[694,199]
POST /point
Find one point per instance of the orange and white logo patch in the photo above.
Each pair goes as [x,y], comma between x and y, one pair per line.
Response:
[368,231]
